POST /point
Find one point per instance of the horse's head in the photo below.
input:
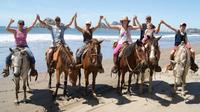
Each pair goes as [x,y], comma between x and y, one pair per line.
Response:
[178,71]
[17,60]
[152,48]
[140,52]
[94,50]
[72,72]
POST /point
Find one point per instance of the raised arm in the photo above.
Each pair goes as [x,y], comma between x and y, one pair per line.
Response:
[70,23]
[157,30]
[8,27]
[117,27]
[98,25]
[42,22]
[170,27]
[136,24]
[76,26]
[29,28]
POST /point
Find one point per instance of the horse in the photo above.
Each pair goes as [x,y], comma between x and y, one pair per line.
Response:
[64,62]
[21,67]
[132,60]
[90,63]
[181,67]
[152,54]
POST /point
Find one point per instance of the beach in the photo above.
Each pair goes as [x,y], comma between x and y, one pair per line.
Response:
[161,100]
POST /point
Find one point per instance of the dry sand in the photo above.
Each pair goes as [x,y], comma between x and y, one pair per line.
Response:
[40,99]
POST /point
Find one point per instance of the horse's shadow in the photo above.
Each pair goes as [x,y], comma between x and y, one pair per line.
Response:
[43,97]
[102,90]
[163,93]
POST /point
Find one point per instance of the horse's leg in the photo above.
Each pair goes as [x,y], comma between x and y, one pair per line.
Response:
[24,88]
[28,84]
[86,81]
[65,83]
[93,83]
[79,76]
[150,82]
[142,83]
[129,83]
[17,79]
[183,85]
[118,82]
[58,72]
[50,77]
[122,82]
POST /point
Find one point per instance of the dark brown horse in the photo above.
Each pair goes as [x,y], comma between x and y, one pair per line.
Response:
[64,62]
[153,54]
[90,63]
[133,60]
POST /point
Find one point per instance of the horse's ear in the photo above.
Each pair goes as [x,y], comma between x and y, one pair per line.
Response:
[158,38]
[100,41]
[11,50]
[172,61]
[138,42]
[23,52]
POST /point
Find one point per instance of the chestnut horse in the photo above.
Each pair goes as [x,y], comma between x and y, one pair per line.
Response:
[90,63]
[64,62]
[133,60]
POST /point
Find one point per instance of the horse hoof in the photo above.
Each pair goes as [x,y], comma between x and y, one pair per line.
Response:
[16,102]
[25,101]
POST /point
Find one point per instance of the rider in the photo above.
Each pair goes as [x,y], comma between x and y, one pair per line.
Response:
[57,33]
[144,26]
[87,32]
[148,35]
[20,35]
[180,36]
[124,36]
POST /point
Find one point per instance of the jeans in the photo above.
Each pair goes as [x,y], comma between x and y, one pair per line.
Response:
[30,56]
[81,50]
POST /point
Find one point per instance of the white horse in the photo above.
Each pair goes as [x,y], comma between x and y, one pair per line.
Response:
[20,66]
[181,67]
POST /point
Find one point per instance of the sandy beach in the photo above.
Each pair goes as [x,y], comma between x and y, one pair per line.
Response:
[40,99]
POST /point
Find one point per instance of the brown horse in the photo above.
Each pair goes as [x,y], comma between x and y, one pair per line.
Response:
[133,60]
[153,54]
[90,63]
[64,62]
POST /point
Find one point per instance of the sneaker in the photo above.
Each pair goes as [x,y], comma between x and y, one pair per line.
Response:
[33,72]
[5,72]
[101,70]
[114,70]
[194,67]
[158,68]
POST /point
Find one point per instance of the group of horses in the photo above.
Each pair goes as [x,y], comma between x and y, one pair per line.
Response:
[137,59]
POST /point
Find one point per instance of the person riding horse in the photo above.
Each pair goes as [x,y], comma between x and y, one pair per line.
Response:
[20,35]
[87,36]
[57,33]
[180,36]
[124,37]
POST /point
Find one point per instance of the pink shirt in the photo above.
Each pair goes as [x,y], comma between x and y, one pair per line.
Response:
[20,37]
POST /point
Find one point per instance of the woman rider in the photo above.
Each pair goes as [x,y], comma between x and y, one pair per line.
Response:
[57,33]
[20,35]
[180,36]
[124,36]
[87,32]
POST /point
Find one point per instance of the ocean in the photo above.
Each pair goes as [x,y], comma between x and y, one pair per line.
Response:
[39,39]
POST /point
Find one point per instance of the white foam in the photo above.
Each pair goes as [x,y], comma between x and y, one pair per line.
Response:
[47,37]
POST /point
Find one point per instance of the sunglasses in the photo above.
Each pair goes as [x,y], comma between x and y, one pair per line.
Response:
[21,24]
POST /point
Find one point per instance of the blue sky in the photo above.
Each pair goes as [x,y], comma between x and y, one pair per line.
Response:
[172,11]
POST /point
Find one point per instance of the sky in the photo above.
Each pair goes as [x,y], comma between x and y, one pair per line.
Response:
[172,11]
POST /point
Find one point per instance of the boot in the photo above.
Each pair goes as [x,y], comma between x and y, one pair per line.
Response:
[101,69]
[33,70]
[158,68]
[5,71]
[194,67]
[171,66]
